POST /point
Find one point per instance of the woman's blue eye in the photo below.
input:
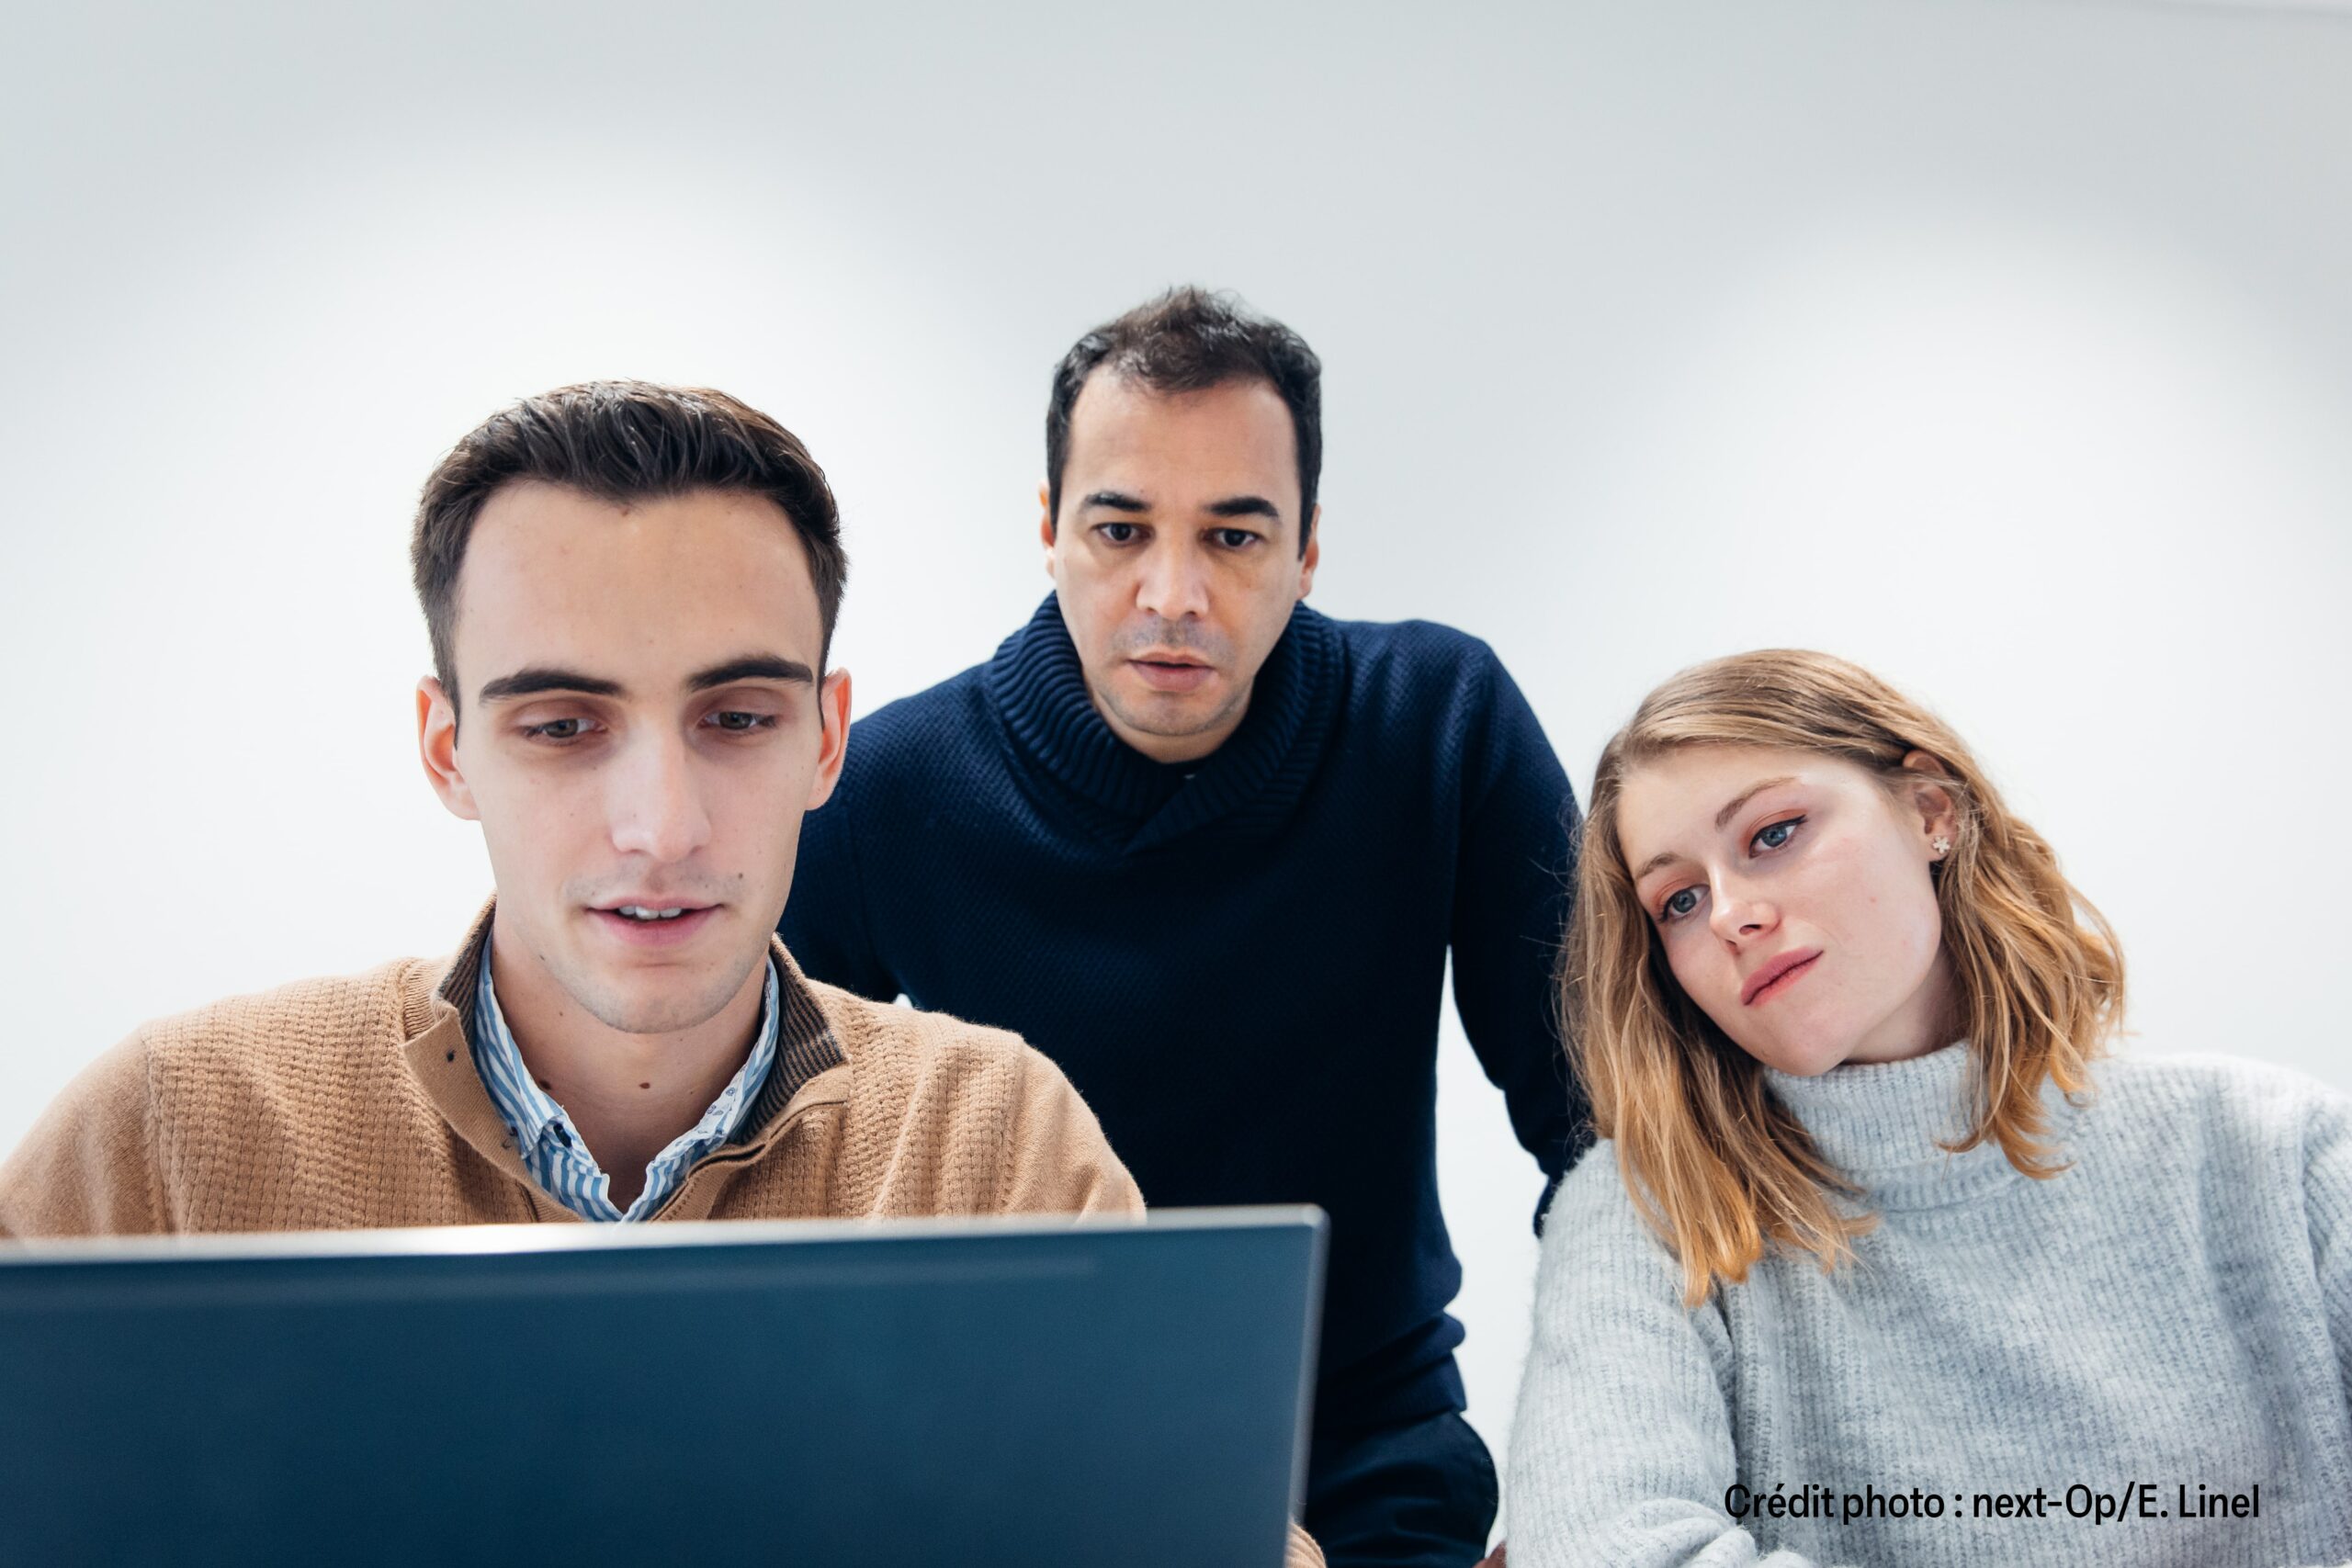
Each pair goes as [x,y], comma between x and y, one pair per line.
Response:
[1681,902]
[1775,835]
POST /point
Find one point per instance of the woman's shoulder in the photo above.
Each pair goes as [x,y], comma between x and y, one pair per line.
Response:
[1608,1281]
[1593,1222]
[1592,1196]
[2217,1103]
[2216,1083]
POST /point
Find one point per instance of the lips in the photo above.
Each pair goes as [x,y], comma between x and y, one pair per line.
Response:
[1778,974]
[670,931]
[1172,674]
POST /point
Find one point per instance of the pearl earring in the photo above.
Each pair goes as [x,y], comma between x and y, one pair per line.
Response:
[1943,847]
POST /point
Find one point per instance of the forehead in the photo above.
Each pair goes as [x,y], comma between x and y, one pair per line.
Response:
[1668,802]
[1235,438]
[643,594]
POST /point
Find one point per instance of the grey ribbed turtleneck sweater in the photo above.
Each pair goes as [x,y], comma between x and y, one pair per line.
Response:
[2174,1310]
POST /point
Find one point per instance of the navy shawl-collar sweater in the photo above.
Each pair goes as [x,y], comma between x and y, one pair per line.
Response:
[1238,962]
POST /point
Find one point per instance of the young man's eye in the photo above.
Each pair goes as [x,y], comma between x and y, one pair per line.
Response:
[1775,835]
[556,730]
[1679,903]
[1235,538]
[1117,533]
[736,722]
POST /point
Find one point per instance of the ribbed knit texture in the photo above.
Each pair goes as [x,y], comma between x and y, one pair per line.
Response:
[1239,962]
[351,1102]
[2174,1309]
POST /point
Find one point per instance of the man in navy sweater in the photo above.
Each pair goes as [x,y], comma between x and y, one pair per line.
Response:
[1209,850]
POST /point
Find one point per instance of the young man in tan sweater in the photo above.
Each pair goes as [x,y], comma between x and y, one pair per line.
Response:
[630,590]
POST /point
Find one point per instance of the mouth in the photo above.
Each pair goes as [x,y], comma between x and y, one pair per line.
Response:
[653,922]
[1778,974]
[1171,671]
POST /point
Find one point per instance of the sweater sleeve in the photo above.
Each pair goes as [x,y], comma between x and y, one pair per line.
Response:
[1516,867]
[1057,1160]
[1621,1449]
[824,924]
[2327,1195]
[88,1166]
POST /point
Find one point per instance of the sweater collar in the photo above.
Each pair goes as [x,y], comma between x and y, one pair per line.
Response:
[1881,1124]
[1243,790]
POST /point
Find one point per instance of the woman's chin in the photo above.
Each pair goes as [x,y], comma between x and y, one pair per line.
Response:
[1807,1061]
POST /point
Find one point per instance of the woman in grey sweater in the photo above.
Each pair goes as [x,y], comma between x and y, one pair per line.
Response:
[1881,1258]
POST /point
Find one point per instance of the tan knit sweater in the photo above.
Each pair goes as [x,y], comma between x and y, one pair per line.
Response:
[338,1103]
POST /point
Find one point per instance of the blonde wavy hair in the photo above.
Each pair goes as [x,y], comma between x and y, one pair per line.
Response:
[1714,1161]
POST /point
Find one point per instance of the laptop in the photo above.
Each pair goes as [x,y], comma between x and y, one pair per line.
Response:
[937,1393]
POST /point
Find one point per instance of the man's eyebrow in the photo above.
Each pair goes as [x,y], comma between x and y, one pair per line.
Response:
[1244,506]
[753,667]
[1668,857]
[1116,500]
[537,678]
[1744,796]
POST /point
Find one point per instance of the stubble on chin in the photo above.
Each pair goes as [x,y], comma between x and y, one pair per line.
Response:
[1167,719]
[663,1002]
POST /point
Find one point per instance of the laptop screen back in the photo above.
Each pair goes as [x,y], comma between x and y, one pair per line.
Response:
[966,1392]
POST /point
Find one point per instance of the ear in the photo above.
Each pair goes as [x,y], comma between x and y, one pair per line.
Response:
[1046,524]
[1314,556]
[832,713]
[1930,795]
[436,746]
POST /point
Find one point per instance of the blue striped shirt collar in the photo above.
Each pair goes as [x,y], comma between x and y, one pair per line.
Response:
[550,1146]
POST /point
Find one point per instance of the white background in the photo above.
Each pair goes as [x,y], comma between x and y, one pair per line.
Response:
[2000,345]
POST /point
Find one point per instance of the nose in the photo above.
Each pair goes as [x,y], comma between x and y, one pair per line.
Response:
[1174,584]
[1738,913]
[654,806]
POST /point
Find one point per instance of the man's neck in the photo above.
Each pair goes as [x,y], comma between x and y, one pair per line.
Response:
[628,1095]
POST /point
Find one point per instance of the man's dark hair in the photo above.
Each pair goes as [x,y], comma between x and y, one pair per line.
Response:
[620,442]
[1186,340]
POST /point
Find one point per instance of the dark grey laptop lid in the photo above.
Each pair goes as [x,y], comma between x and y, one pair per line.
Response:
[932,1392]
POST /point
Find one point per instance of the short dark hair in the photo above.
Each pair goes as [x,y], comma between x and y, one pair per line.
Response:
[1188,339]
[620,442]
